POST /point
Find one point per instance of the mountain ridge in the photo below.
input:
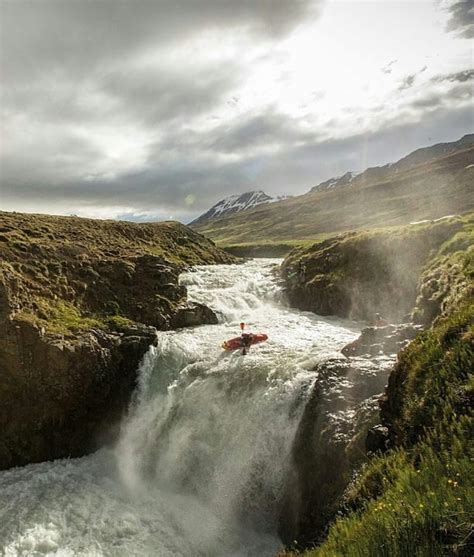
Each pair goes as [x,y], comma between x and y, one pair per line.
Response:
[428,183]
[235,204]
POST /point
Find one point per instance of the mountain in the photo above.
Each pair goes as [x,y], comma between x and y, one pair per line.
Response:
[428,183]
[332,183]
[236,204]
[423,155]
[427,154]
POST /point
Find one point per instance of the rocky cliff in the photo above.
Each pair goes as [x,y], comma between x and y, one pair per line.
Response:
[413,488]
[415,495]
[80,302]
[387,271]
[329,444]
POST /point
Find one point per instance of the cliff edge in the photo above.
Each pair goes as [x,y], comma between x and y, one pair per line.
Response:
[80,303]
[412,492]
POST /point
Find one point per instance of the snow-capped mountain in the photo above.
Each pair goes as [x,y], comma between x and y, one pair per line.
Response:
[332,183]
[236,204]
[424,155]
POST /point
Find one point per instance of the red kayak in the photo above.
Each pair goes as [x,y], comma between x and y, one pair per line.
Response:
[243,341]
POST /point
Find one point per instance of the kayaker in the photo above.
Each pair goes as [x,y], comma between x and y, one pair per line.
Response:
[246,342]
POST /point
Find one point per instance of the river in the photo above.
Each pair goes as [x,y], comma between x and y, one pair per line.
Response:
[202,456]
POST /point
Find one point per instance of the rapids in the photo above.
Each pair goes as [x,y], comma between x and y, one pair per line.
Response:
[201,460]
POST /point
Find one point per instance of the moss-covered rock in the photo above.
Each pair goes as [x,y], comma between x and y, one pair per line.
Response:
[414,495]
[416,498]
[360,274]
[73,293]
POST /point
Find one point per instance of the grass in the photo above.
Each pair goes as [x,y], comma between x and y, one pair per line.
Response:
[68,273]
[449,276]
[425,510]
[418,499]
[64,318]
[47,237]
[360,273]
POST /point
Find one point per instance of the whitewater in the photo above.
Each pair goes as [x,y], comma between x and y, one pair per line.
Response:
[202,456]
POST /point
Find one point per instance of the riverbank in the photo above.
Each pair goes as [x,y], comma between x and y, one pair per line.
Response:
[80,302]
[413,490]
[203,454]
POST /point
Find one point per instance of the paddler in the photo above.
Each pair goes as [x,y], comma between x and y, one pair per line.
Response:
[246,342]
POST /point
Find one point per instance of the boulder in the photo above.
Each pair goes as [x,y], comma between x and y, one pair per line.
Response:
[193,314]
[382,340]
[377,440]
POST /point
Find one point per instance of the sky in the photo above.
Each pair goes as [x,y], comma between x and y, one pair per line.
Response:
[156,109]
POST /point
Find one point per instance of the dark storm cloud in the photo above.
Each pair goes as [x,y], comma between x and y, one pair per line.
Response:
[161,94]
[267,128]
[74,36]
[461,20]
[168,185]
[461,92]
[78,76]
[72,69]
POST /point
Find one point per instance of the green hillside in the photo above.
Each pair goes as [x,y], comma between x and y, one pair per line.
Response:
[399,194]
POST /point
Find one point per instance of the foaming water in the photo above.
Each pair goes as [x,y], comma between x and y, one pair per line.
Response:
[202,456]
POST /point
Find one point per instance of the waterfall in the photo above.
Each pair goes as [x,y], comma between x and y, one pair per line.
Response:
[203,454]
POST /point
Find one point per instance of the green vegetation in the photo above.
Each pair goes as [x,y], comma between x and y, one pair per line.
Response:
[360,273]
[47,237]
[269,248]
[449,276]
[67,274]
[65,318]
[418,499]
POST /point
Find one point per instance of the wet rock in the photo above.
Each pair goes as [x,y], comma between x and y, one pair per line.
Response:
[382,340]
[377,440]
[359,274]
[192,315]
[329,444]
[64,396]
[71,304]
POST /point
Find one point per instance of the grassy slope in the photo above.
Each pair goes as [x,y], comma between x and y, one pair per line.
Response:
[380,198]
[449,276]
[74,237]
[417,500]
[361,273]
[50,257]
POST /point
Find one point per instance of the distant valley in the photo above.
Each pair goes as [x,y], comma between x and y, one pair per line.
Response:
[429,183]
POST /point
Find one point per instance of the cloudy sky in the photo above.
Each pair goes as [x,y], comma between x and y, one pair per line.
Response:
[146,110]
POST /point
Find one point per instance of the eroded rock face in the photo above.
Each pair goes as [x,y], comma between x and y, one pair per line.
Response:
[74,297]
[360,274]
[329,444]
[64,396]
[387,340]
